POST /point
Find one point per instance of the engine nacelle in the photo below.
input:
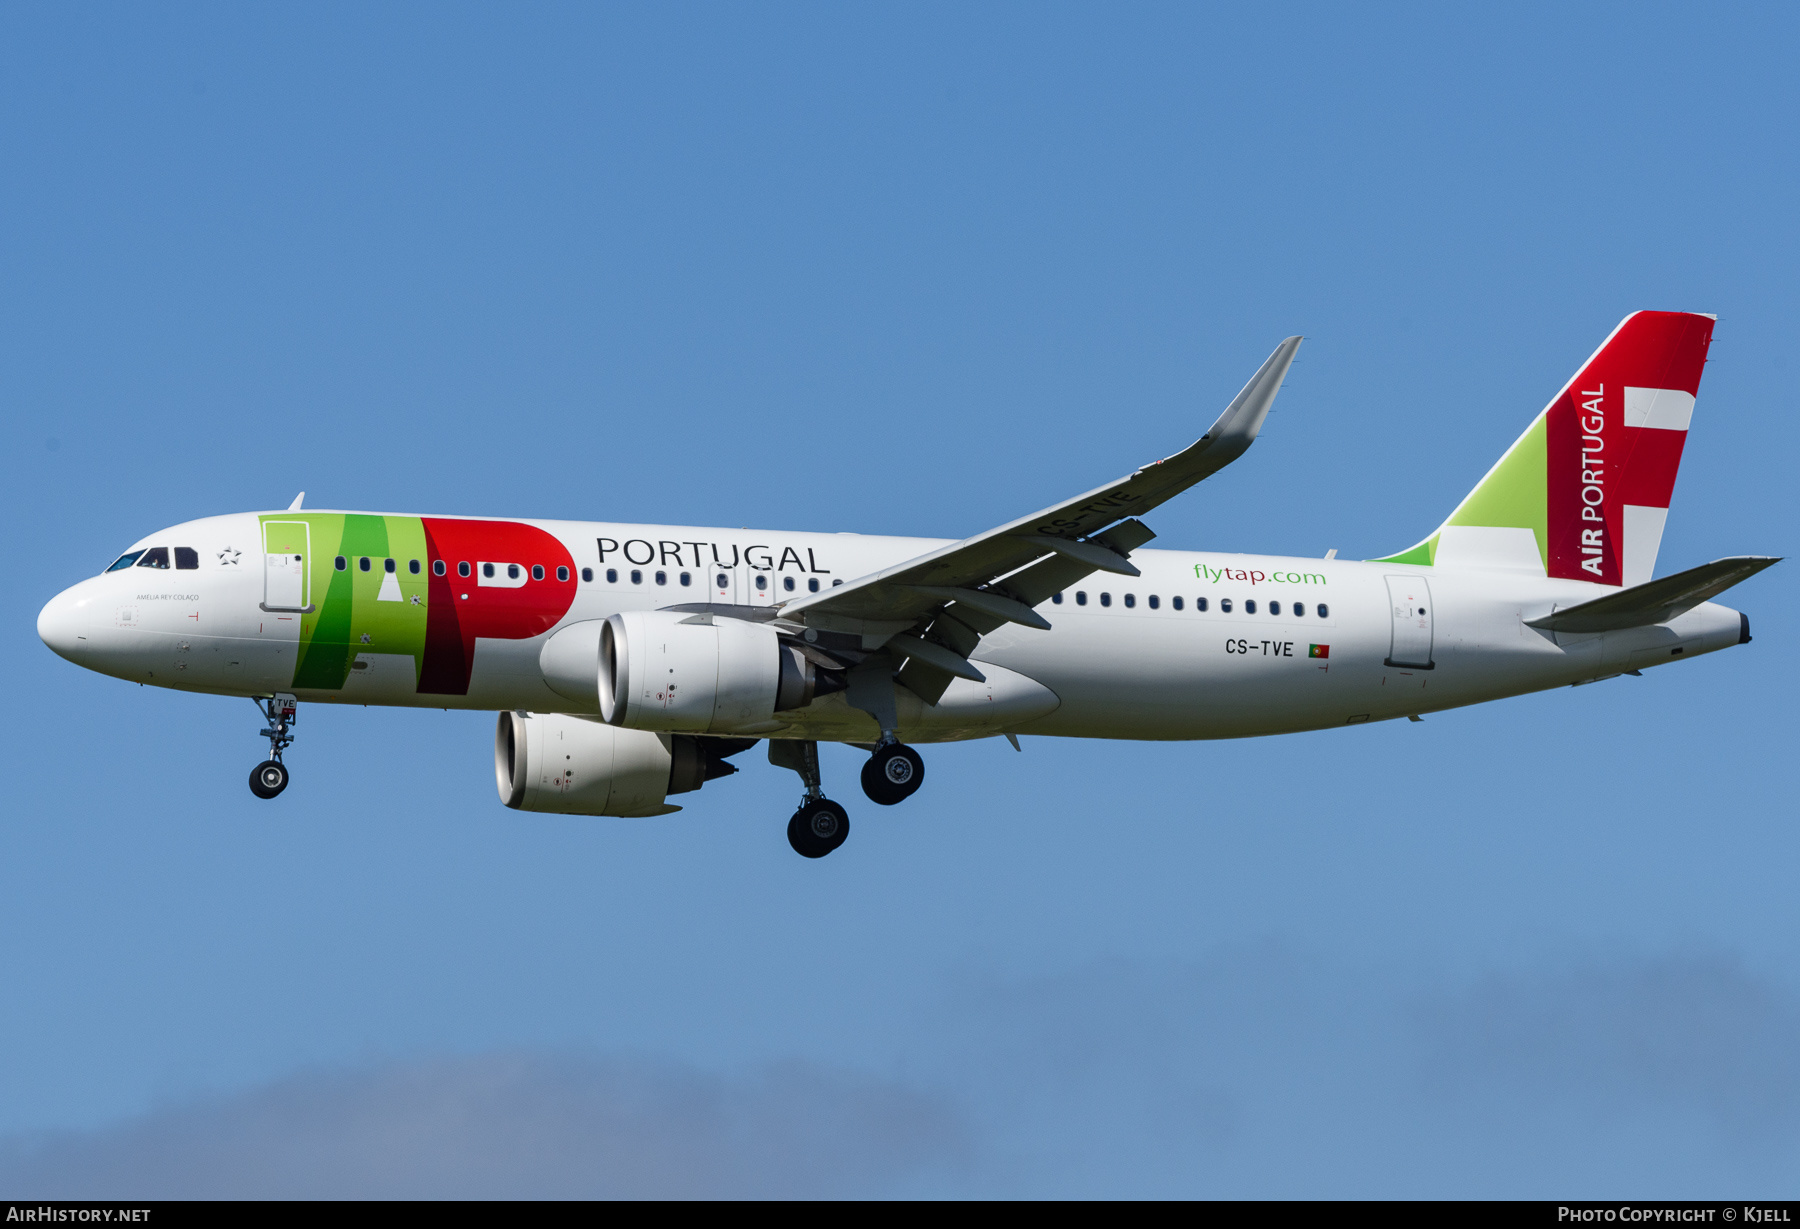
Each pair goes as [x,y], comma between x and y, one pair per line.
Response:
[668,671]
[578,766]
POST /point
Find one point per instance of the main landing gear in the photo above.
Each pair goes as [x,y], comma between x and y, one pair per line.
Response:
[271,776]
[820,825]
[893,773]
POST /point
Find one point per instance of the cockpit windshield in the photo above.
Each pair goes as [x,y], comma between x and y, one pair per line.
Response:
[155,557]
[125,560]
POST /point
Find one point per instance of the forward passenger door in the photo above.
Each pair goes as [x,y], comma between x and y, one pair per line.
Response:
[286,548]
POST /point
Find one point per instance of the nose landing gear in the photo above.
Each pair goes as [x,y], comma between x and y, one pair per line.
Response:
[270,777]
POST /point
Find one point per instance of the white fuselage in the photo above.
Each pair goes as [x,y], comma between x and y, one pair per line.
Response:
[1281,645]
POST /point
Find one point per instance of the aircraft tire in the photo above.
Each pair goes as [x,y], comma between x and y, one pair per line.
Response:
[268,778]
[893,774]
[817,828]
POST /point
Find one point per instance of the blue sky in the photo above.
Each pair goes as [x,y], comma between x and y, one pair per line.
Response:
[909,269]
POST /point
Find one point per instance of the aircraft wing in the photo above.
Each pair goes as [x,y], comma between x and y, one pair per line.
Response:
[1655,601]
[933,610]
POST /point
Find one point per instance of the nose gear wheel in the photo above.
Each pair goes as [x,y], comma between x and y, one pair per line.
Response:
[268,778]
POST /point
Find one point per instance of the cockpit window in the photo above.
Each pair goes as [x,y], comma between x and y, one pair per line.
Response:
[125,560]
[155,557]
[186,558]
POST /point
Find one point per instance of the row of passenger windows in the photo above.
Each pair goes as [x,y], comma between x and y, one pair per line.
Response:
[186,558]
[514,571]
[723,581]
[637,576]
[1200,604]
[489,571]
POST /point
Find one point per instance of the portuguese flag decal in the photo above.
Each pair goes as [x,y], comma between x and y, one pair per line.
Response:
[1320,650]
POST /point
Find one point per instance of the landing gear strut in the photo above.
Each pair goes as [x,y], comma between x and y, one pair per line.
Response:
[892,774]
[820,825]
[271,776]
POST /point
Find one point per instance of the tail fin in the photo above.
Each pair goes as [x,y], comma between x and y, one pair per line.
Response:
[1584,493]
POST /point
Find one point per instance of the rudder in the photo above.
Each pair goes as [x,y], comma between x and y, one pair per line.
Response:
[1584,493]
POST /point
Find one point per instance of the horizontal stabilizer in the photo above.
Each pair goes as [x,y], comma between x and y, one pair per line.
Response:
[1657,601]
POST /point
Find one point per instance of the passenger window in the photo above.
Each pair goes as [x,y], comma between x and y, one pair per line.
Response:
[438,568]
[125,561]
[187,558]
[1274,608]
[637,577]
[1131,599]
[812,584]
[388,567]
[1106,599]
[462,569]
[1324,611]
[762,582]
[587,574]
[720,580]
[155,557]
[363,563]
[1250,606]
[612,576]
[1224,605]
[1155,601]
[512,571]
[662,578]
[1056,599]
[836,583]
[1175,602]
[340,564]
[487,570]
[562,573]
[1300,608]
[787,582]
[537,571]
[1080,597]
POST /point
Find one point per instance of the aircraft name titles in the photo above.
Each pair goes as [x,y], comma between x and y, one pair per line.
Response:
[661,550]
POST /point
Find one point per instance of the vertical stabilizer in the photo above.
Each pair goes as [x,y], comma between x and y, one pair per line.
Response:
[1584,493]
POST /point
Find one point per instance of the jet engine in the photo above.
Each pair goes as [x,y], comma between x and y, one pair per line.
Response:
[694,673]
[578,766]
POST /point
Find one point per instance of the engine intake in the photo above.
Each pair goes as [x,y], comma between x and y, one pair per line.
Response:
[577,766]
[694,673]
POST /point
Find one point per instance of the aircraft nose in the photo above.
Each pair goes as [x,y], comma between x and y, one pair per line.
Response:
[60,625]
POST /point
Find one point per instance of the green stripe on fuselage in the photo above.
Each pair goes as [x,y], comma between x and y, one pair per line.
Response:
[351,615]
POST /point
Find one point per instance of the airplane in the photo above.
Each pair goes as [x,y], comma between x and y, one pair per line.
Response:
[628,663]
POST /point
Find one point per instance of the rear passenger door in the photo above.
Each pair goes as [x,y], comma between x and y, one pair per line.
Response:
[1410,597]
